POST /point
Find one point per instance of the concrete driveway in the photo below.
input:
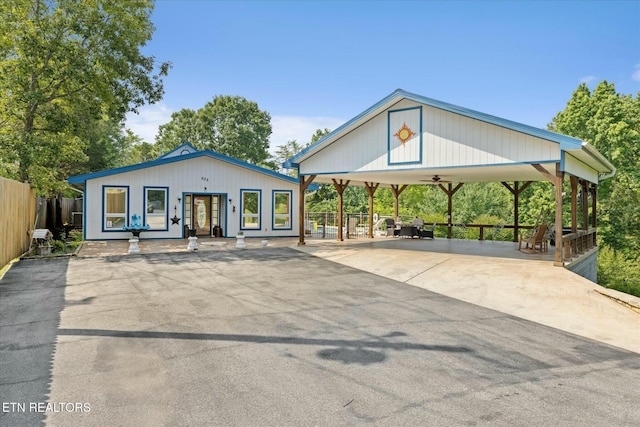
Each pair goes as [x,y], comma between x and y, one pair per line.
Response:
[274,336]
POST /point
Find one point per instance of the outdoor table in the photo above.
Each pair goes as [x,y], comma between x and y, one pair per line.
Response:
[409,231]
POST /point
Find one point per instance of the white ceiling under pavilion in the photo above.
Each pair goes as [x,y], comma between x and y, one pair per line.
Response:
[410,139]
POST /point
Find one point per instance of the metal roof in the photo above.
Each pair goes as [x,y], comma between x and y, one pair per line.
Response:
[167,159]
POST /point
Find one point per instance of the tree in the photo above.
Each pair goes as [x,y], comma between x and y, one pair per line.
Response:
[68,66]
[229,125]
[183,127]
[285,152]
[611,122]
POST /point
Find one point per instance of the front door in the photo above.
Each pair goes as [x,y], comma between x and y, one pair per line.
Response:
[202,215]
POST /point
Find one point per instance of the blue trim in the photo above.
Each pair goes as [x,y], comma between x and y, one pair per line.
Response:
[166,207]
[566,142]
[163,161]
[416,162]
[434,168]
[184,216]
[84,213]
[226,214]
[220,204]
[273,210]
[251,190]
[104,207]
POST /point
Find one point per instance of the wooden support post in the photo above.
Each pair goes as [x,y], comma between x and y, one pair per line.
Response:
[450,191]
[558,187]
[594,205]
[397,191]
[340,189]
[594,217]
[516,190]
[371,189]
[585,204]
[574,203]
[304,184]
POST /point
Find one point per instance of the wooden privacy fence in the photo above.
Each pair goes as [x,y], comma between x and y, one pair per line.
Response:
[17,217]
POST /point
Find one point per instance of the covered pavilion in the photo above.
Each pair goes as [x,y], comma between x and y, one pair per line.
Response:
[407,138]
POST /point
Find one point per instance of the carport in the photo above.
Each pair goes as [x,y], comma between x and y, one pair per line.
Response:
[409,139]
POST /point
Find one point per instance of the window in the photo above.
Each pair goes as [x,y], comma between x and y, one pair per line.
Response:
[116,204]
[281,210]
[250,209]
[155,208]
[187,211]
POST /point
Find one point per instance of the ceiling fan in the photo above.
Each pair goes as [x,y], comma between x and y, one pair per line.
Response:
[436,179]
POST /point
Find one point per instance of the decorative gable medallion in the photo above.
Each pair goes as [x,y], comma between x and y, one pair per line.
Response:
[404,134]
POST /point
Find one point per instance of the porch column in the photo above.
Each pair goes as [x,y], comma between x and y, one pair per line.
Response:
[594,199]
[574,203]
[304,184]
[397,191]
[559,244]
[371,189]
[340,189]
[516,190]
[585,204]
[556,180]
[450,191]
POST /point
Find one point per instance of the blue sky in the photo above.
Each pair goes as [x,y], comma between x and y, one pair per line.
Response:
[317,64]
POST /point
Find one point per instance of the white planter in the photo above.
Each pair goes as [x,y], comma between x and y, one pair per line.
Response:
[193,244]
[240,242]
[133,246]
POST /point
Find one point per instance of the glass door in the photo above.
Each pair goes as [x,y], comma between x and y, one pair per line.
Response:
[202,215]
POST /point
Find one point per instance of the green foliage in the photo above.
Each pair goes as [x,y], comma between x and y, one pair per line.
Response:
[229,125]
[76,236]
[285,152]
[536,198]
[611,122]
[69,72]
[619,272]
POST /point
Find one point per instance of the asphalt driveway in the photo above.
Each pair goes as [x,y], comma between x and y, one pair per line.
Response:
[279,337]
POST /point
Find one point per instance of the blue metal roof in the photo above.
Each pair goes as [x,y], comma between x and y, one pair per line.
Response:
[566,142]
[81,179]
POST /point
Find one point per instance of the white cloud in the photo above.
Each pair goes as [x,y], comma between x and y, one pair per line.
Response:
[300,128]
[146,123]
[588,79]
[636,74]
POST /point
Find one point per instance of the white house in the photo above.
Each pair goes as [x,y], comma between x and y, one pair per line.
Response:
[210,193]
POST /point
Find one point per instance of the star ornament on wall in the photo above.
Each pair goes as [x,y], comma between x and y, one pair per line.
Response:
[175,220]
[404,134]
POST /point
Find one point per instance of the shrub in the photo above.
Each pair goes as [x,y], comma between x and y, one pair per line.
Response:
[618,272]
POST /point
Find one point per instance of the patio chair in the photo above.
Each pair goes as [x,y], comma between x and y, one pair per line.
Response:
[391,226]
[533,239]
[428,232]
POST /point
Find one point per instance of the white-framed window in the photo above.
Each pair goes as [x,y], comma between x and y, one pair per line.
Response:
[281,210]
[155,207]
[115,204]
[250,201]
